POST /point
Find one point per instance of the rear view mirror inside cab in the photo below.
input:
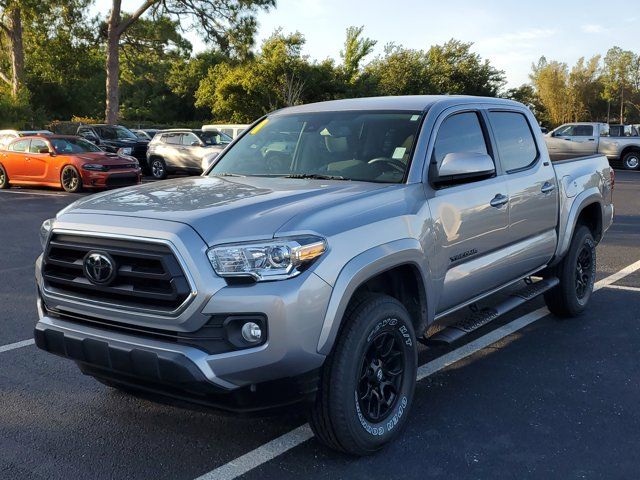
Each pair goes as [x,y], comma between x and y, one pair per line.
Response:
[462,167]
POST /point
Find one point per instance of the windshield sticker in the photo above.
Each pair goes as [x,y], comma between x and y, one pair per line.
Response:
[398,153]
[259,126]
[414,117]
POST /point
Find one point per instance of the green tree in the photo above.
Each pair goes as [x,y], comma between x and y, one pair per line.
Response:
[356,48]
[230,24]
[618,64]
[400,71]
[585,87]
[527,95]
[551,79]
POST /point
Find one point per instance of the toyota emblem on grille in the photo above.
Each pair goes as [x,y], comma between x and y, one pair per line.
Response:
[99,268]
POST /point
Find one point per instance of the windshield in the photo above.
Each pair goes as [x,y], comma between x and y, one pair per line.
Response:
[214,137]
[114,132]
[73,145]
[367,146]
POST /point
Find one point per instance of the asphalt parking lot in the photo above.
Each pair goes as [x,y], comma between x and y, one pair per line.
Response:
[528,396]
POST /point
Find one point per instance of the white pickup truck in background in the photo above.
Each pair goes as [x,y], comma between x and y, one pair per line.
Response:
[620,143]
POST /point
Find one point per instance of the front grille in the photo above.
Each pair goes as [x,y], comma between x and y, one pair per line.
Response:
[148,275]
[121,166]
[121,180]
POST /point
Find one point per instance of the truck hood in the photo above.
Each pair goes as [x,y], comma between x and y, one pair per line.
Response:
[226,209]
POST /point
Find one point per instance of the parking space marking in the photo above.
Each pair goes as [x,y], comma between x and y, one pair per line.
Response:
[260,455]
[39,194]
[297,436]
[13,346]
[624,287]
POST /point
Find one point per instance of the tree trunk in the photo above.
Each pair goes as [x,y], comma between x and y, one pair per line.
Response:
[621,105]
[17,50]
[113,65]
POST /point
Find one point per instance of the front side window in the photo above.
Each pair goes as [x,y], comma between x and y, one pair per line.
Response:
[64,146]
[19,146]
[460,133]
[37,145]
[214,137]
[514,140]
[368,146]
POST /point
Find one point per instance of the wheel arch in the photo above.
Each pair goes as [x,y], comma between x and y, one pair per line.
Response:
[629,149]
[398,269]
[587,209]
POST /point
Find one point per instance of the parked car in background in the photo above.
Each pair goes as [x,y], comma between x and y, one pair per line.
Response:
[70,162]
[232,130]
[7,135]
[184,150]
[310,275]
[544,129]
[620,143]
[145,133]
[117,139]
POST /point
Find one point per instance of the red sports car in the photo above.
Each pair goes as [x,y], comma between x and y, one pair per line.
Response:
[64,161]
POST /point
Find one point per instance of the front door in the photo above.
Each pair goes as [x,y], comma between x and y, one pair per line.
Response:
[470,220]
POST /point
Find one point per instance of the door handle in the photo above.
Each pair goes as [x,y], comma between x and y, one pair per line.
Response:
[499,200]
[592,139]
[547,187]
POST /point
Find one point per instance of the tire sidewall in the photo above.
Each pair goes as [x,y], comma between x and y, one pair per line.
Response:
[373,436]
[583,237]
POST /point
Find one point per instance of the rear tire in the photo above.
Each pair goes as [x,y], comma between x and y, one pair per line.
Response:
[631,161]
[158,168]
[4,178]
[368,381]
[576,272]
[70,179]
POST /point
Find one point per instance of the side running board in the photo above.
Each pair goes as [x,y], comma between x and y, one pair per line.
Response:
[480,318]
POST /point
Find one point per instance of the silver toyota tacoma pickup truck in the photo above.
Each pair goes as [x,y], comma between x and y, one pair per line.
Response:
[316,251]
[579,139]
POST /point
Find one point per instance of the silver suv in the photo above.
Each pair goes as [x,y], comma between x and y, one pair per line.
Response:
[316,252]
[184,150]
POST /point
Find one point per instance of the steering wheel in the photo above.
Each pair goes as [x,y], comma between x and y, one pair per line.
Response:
[392,162]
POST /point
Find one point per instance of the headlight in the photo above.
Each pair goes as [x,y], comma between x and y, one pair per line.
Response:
[94,167]
[45,230]
[125,151]
[270,260]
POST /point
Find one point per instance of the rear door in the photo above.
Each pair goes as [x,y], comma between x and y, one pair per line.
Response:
[533,190]
[470,231]
[16,159]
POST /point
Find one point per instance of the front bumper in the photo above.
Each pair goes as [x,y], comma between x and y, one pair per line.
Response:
[111,179]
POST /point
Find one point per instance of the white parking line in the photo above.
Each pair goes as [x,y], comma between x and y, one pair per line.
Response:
[297,436]
[39,194]
[13,346]
[624,287]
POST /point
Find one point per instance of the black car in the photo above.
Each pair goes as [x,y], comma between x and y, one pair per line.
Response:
[116,138]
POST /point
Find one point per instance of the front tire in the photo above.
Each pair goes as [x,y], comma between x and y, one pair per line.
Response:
[158,168]
[368,382]
[4,178]
[577,273]
[70,179]
[631,161]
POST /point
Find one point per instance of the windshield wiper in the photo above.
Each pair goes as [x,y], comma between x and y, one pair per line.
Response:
[316,176]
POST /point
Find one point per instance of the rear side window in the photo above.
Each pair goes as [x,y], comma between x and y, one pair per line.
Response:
[172,138]
[19,146]
[459,133]
[515,143]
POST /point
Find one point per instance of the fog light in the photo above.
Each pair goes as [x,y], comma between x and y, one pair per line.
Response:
[251,332]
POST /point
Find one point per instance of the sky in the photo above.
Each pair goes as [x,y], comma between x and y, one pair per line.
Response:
[510,34]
